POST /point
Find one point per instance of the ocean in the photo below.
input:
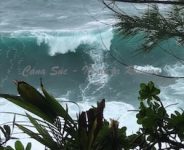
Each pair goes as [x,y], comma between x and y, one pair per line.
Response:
[68,43]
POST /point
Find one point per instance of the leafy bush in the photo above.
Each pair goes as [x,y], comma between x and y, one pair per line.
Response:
[58,131]
[5,136]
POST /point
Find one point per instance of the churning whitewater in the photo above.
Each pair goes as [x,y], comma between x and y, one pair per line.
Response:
[70,46]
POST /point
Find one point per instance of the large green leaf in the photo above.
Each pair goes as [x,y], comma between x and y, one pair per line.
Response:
[56,106]
[33,96]
[28,147]
[19,146]
[28,106]
[35,136]
[41,130]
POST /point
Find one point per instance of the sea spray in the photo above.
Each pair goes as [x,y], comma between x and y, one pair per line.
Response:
[147,69]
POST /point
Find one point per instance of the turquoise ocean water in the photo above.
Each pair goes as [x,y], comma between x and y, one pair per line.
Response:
[68,43]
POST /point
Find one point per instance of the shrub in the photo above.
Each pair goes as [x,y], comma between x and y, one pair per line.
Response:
[58,131]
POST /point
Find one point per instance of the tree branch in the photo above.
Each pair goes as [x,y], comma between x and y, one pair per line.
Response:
[152,2]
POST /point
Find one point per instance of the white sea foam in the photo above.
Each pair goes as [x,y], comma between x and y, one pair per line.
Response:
[97,75]
[4,118]
[176,70]
[174,92]
[64,44]
[100,23]
[113,110]
[147,69]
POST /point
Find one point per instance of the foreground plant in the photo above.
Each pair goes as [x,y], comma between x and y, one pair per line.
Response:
[159,130]
[56,126]
[18,146]
[154,24]
[58,131]
[5,136]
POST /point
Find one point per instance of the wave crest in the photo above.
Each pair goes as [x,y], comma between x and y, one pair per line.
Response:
[63,41]
[147,69]
[176,70]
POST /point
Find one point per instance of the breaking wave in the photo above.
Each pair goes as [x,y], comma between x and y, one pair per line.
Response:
[147,69]
[65,41]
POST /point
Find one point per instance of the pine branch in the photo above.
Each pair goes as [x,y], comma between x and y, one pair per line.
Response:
[152,2]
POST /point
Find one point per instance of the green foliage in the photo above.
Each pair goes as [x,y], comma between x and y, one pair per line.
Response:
[33,101]
[154,24]
[59,130]
[148,91]
[158,129]
[89,125]
[176,123]
[5,136]
[19,146]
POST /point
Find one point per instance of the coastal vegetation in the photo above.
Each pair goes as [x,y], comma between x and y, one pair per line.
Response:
[158,23]
[52,125]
